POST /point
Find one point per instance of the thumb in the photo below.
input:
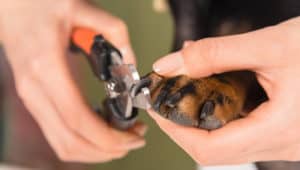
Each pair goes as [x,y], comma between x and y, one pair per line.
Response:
[111,27]
[249,51]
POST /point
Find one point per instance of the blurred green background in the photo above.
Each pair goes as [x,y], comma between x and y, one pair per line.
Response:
[151,36]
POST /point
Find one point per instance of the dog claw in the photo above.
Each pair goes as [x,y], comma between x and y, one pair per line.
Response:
[207,109]
[175,98]
[145,82]
[159,100]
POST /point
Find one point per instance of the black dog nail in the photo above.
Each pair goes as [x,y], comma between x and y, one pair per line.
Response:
[207,109]
[145,82]
[164,93]
[173,99]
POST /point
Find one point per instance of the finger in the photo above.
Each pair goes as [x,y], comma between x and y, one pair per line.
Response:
[254,50]
[113,29]
[248,135]
[68,145]
[187,43]
[139,128]
[80,118]
[182,136]
[239,137]
[73,109]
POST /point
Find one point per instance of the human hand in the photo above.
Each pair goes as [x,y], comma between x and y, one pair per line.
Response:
[36,35]
[271,131]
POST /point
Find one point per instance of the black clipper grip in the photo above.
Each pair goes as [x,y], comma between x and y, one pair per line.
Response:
[116,118]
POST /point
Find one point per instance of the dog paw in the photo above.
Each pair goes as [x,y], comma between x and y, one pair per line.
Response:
[206,103]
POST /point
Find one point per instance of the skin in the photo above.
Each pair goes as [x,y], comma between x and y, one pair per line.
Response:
[35,35]
[271,131]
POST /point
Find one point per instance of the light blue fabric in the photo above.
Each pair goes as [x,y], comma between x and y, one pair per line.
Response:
[235,167]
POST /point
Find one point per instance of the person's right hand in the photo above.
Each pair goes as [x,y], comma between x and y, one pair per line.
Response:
[35,35]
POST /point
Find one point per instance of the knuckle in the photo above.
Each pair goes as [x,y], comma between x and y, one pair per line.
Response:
[73,124]
[202,160]
[63,156]
[120,155]
[105,159]
[35,67]
[72,147]
[30,68]
[65,8]
[73,118]
[109,145]
[119,27]
[68,152]
[203,157]
[209,46]
[205,51]
[293,155]
[112,136]
[26,75]
[22,82]
[209,49]
[294,159]
[42,62]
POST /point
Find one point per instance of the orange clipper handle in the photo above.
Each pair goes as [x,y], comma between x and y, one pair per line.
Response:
[83,38]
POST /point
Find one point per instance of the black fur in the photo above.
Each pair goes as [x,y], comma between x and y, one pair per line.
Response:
[196,19]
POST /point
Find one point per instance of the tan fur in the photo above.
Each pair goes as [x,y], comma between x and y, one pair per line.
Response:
[230,87]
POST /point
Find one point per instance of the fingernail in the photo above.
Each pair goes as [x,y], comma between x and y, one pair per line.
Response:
[187,43]
[141,130]
[136,144]
[169,63]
